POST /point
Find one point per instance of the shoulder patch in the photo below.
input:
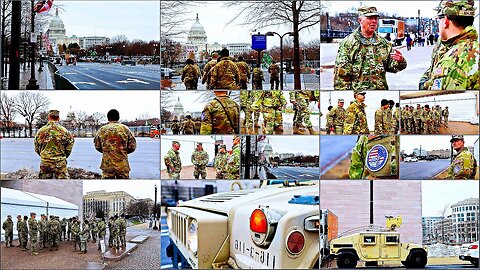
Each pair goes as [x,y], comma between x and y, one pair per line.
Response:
[457,169]
[437,84]
[377,157]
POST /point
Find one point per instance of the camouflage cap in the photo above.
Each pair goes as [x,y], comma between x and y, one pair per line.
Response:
[367,11]
[199,143]
[236,137]
[359,92]
[175,142]
[223,146]
[33,214]
[341,100]
[456,8]
[456,137]
[54,113]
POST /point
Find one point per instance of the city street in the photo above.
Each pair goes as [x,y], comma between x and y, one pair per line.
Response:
[290,172]
[90,76]
[18,153]
[418,60]
[309,82]
[422,169]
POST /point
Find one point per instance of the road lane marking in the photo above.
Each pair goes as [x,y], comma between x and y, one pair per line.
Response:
[130,80]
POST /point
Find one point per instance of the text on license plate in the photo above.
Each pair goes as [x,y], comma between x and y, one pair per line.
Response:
[255,253]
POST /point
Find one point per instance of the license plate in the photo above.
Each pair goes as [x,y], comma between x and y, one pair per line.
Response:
[255,253]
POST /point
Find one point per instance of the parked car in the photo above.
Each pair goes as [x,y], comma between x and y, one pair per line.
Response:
[469,252]
[167,73]
[410,159]
[129,62]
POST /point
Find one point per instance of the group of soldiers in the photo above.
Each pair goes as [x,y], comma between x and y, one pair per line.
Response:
[54,144]
[227,73]
[364,57]
[49,231]
[186,126]
[227,164]
[423,119]
[271,104]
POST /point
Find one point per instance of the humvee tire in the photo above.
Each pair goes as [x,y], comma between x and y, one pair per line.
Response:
[347,259]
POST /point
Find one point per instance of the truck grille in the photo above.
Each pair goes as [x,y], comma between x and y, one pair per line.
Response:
[179,226]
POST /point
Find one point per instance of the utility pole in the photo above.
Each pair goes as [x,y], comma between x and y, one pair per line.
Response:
[32,83]
[14,57]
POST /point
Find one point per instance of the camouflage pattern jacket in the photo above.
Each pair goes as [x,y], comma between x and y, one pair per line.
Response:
[362,63]
[220,116]
[53,143]
[463,166]
[190,73]
[173,162]
[356,119]
[455,63]
[225,75]
[336,117]
[115,141]
[207,70]
[244,71]
[382,126]
[233,163]
[33,228]
[221,162]
[199,158]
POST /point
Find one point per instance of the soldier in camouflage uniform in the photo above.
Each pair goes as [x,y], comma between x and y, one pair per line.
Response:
[336,118]
[247,99]
[233,161]
[53,143]
[221,115]
[188,126]
[94,229]
[207,70]
[244,73]
[121,226]
[69,228]
[356,119]
[53,228]
[464,165]
[445,114]
[375,157]
[272,104]
[190,75]
[456,55]
[33,232]
[173,162]
[200,160]
[300,101]
[63,226]
[7,226]
[115,141]
[221,162]
[102,227]
[42,230]
[76,233]
[329,126]
[438,118]
[428,120]
[411,120]
[364,57]
[382,126]
[84,237]
[175,127]
[24,233]
[396,119]
[225,74]
[418,116]
[111,231]
[274,71]
[257,78]
[198,126]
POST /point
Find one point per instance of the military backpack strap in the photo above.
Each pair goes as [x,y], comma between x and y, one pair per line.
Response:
[228,116]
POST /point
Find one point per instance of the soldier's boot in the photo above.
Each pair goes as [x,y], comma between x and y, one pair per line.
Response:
[312,131]
[296,130]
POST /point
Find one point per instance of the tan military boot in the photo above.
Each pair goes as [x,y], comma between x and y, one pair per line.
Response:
[296,130]
[312,131]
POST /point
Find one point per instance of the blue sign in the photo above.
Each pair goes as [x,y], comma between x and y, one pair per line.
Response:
[259,42]
[377,157]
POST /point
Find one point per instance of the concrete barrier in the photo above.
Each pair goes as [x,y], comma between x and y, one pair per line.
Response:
[61,83]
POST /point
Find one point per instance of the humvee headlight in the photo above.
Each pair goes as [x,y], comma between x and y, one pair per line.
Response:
[295,242]
[263,222]
[192,236]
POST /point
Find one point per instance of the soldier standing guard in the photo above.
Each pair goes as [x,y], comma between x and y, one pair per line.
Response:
[356,119]
[225,74]
[336,118]
[445,114]
[221,115]
[381,119]
[7,226]
[221,162]
[173,162]
[115,141]
[464,165]
[199,160]
[84,237]
[33,231]
[42,229]
[364,57]
[272,104]
[24,232]
[53,143]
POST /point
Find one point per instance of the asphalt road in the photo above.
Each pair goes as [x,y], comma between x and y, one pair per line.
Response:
[92,76]
[288,172]
[333,149]
[144,162]
[422,169]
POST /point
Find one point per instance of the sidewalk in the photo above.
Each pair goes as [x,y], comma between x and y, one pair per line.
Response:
[187,173]
[44,78]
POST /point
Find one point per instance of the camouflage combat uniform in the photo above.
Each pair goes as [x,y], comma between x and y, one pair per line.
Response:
[244,74]
[121,226]
[382,126]
[274,71]
[53,143]
[190,75]
[111,232]
[302,114]
[355,119]
[272,104]
[188,126]
[175,128]
[173,164]
[76,234]
[463,165]
[53,228]
[198,126]
[257,79]
[33,232]
[200,160]
[220,116]
[63,226]
[220,165]
[336,119]
[396,121]
[445,114]
[247,99]
[102,227]
[225,75]
[23,233]
[115,141]
[207,72]
[7,226]
[418,116]
[84,238]
[233,164]
[428,122]
[362,63]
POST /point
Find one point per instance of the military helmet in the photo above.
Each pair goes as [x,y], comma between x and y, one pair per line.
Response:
[460,8]
[456,137]
[367,11]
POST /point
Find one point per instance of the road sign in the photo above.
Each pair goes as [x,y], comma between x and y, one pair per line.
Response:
[259,42]
[33,37]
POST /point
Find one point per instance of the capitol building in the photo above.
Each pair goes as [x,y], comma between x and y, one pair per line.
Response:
[197,44]
[57,35]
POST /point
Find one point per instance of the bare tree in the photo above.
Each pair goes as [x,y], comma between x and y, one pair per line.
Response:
[42,119]
[98,119]
[7,112]
[173,16]
[262,14]
[81,117]
[119,39]
[138,208]
[29,104]
[5,17]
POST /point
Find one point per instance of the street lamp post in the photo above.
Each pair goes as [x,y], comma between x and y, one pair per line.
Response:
[155,210]
[32,83]
[281,52]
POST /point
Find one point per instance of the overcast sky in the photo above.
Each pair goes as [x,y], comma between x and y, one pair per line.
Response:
[214,18]
[401,8]
[130,104]
[134,19]
[307,145]
[431,142]
[140,189]
[437,194]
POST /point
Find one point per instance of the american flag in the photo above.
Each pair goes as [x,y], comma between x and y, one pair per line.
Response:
[375,157]
[43,6]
